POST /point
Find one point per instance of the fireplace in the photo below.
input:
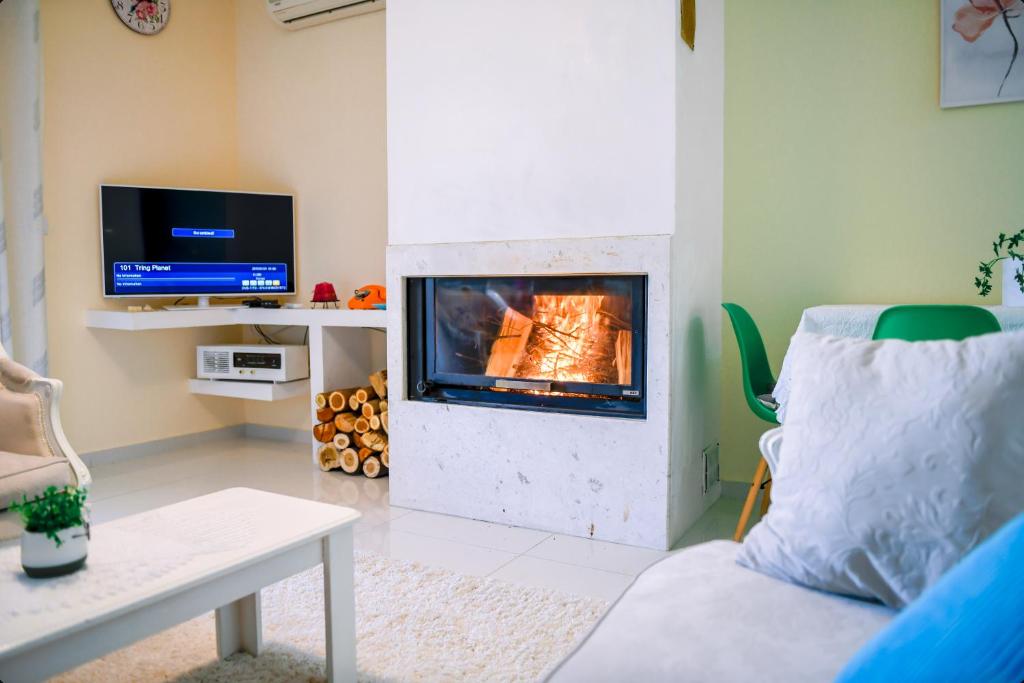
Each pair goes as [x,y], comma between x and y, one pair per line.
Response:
[567,343]
[467,439]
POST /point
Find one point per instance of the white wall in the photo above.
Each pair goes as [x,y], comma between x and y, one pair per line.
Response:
[530,119]
[697,264]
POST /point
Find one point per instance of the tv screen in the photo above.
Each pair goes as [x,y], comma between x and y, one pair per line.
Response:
[171,242]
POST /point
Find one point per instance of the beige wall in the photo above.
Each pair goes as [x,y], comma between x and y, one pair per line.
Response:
[125,108]
[311,120]
[221,98]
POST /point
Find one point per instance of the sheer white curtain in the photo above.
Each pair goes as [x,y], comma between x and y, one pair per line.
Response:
[22,225]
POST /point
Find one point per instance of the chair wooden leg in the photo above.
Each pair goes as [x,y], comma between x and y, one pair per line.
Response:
[766,497]
[748,504]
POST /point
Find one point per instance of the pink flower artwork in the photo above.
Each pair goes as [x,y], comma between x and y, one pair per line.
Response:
[977,16]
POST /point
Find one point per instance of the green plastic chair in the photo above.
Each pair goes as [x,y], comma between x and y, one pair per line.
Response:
[757,374]
[935,322]
[757,381]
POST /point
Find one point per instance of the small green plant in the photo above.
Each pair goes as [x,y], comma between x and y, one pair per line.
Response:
[1006,247]
[55,510]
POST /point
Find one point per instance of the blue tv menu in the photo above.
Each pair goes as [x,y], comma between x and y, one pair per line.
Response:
[201,233]
[200,278]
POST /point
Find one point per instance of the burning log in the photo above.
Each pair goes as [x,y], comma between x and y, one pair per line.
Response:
[571,341]
[569,338]
[624,356]
[508,347]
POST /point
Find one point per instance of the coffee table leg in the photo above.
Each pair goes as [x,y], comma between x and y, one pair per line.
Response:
[240,627]
[340,607]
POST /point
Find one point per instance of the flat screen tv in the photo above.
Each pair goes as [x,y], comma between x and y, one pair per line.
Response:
[169,242]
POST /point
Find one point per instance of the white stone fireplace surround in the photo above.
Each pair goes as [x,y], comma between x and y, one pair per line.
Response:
[566,138]
[601,477]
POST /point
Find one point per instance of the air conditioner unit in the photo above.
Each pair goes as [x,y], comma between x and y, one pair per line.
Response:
[295,14]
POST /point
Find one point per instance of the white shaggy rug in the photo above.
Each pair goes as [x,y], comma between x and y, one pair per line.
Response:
[414,623]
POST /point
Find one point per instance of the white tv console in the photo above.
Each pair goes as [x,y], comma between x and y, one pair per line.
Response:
[339,350]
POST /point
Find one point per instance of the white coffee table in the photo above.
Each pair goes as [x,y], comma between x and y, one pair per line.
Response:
[154,570]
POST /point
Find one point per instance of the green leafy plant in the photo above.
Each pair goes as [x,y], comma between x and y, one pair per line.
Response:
[55,510]
[1005,247]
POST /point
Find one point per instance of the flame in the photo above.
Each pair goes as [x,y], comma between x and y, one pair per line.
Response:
[566,329]
[566,338]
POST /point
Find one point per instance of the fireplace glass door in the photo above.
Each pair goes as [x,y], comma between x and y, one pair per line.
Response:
[573,343]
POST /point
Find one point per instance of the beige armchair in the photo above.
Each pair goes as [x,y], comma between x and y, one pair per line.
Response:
[34,453]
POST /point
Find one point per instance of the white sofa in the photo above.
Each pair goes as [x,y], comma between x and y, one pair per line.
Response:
[699,616]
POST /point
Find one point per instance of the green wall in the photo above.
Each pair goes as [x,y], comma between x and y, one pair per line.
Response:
[844,180]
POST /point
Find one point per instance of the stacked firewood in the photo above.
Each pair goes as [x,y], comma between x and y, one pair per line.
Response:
[352,425]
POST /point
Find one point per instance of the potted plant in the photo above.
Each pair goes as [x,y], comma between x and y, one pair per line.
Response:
[56,537]
[1006,248]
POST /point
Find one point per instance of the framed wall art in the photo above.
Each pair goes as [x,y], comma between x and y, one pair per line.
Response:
[982,42]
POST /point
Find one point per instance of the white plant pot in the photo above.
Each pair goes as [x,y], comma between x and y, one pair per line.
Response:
[41,557]
[1012,296]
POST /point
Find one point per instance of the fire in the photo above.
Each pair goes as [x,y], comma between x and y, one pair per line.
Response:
[565,329]
[568,338]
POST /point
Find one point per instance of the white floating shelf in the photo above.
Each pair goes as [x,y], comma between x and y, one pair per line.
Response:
[330,317]
[213,317]
[253,391]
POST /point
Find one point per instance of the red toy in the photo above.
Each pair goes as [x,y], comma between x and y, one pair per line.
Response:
[323,293]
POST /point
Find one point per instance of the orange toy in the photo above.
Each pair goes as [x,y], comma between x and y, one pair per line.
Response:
[368,297]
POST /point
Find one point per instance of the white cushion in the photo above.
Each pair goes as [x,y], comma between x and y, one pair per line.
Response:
[898,458]
[771,446]
[698,616]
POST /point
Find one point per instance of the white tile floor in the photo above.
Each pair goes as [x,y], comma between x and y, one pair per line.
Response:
[524,556]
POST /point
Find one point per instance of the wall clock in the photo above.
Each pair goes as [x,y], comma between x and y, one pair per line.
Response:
[143,16]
